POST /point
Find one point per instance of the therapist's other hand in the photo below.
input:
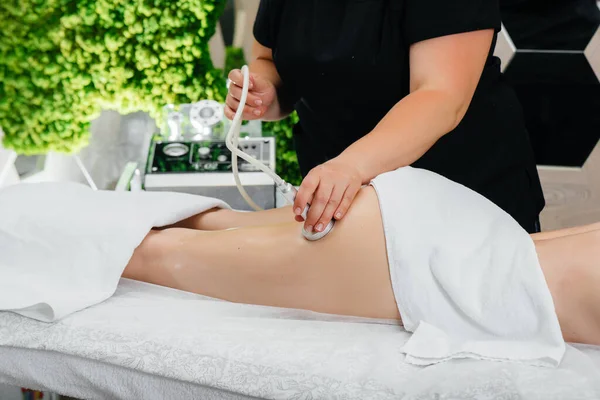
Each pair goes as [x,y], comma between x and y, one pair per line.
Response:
[261,95]
[330,189]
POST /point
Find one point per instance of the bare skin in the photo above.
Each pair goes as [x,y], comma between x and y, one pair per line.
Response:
[261,258]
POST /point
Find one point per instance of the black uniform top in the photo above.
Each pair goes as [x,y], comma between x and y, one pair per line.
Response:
[345,64]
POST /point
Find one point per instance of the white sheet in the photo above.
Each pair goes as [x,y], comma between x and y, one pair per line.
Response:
[64,246]
[466,276]
[184,343]
[82,378]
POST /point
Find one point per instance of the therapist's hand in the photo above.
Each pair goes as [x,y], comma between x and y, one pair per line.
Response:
[261,95]
[330,189]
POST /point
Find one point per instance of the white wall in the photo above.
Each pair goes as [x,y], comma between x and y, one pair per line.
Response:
[245,16]
[217,48]
[115,140]
[8,173]
[58,168]
[10,178]
[10,393]
[243,37]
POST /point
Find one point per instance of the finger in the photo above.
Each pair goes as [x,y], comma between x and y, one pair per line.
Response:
[248,113]
[229,113]
[237,78]
[305,193]
[251,100]
[332,205]
[347,199]
[235,75]
[320,200]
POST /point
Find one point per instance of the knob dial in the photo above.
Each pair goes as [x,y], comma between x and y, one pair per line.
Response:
[211,166]
[204,152]
[206,113]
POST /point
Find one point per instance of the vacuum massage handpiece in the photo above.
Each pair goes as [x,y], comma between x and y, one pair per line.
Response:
[288,191]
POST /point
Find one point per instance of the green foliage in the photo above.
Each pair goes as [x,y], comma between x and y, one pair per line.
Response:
[62,61]
[234,59]
[287,161]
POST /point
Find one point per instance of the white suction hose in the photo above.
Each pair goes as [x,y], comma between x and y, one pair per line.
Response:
[231,141]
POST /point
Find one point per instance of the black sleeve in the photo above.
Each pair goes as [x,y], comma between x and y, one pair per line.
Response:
[266,25]
[428,19]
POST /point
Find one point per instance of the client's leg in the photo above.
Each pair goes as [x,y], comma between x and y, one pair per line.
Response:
[566,232]
[221,219]
[571,265]
[345,273]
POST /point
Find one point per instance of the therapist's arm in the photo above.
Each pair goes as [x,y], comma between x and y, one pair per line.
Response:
[445,72]
[267,99]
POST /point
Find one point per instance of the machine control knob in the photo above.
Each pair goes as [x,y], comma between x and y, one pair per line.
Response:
[246,167]
[204,152]
[211,166]
[222,158]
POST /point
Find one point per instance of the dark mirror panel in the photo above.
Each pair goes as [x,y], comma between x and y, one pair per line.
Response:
[564,121]
[555,75]
[551,68]
[550,24]
[227,22]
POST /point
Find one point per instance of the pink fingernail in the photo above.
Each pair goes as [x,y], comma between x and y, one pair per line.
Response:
[338,215]
[298,211]
[257,112]
[258,102]
[319,227]
[309,228]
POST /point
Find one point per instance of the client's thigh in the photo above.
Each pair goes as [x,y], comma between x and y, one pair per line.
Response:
[352,261]
[344,273]
[571,267]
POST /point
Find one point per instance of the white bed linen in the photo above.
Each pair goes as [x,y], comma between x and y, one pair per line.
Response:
[465,274]
[83,378]
[64,246]
[153,342]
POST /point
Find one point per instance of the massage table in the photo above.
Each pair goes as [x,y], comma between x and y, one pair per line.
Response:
[152,342]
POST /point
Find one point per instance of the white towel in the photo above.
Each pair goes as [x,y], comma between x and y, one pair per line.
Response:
[466,276]
[63,246]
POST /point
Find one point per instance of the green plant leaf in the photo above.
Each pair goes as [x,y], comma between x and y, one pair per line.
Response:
[61,62]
